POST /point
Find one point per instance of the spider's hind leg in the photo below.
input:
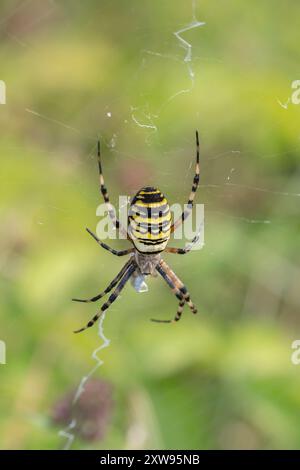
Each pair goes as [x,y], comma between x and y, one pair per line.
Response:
[178,288]
[115,294]
[113,283]
[177,316]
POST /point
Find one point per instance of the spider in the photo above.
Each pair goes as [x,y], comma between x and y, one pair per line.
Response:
[149,230]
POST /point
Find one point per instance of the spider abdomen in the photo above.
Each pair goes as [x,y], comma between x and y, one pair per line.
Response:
[149,220]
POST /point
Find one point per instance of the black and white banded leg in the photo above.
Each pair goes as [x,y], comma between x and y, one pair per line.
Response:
[177,316]
[113,283]
[186,249]
[163,266]
[108,248]
[112,297]
[110,209]
[195,185]
[178,288]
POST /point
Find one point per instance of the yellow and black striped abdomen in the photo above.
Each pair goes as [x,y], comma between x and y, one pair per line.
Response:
[149,220]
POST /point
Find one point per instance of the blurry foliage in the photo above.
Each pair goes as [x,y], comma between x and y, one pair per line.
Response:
[222,379]
[89,413]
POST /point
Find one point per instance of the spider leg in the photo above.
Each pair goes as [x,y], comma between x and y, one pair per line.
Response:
[113,283]
[186,249]
[178,288]
[177,316]
[195,185]
[110,209]
[112,297]
[108,248]
[178,284]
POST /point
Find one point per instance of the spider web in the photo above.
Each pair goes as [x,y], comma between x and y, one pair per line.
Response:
[69,432]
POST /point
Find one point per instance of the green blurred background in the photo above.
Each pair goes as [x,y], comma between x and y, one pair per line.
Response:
[74,70]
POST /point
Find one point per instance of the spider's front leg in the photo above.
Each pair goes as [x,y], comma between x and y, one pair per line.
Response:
[186,249]
[195,185]
[110,209]
[108,248]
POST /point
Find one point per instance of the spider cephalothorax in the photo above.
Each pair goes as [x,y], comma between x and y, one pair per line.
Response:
[149,230]
[147,262]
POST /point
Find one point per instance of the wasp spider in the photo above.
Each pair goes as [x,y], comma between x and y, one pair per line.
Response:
[149,230]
